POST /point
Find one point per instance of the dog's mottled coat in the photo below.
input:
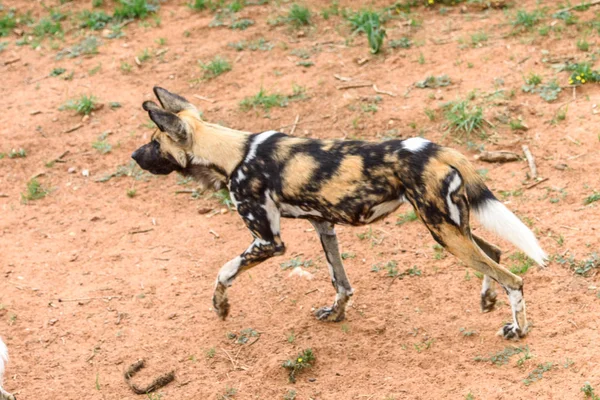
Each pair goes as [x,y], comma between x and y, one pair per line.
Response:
[272,175]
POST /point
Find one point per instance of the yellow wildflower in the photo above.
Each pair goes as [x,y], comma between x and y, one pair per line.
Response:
[300,359]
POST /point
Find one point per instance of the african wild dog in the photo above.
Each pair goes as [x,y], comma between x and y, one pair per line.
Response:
[4,395]
[271,175]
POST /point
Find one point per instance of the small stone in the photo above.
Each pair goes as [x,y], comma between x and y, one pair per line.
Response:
[300,34]
[85,118]
[85,172]
[312,379]
[72,170]
[52,322]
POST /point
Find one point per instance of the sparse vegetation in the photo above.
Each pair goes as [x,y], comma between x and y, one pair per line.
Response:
[298,16]
[538,373]
[87,46]
[589,392]
[527,20]
[215,67]
[409,216]
[520,263]
[304,360]
[35,191]
[135,9]
[503,357]
[368,22]
[463,118]
[84,105]
[296,262]
[434,82]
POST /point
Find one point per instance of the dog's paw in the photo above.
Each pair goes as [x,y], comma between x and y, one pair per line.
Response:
[511,331]
[488,301]
[221,304]
[329,314]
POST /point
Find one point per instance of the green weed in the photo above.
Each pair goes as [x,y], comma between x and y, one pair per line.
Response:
[434,82]
[94,20]
[290,395]
[298,16]
[588,391]
[403,43]
[303,361]
[230,392]
[102,146]
[35,191]
[88,46]
[478,38]
[583,73]
[216,67]
[520,263]
[264,100]
[503,357]
[368,22]
[84,105]
[241,24]
[527,20]
[409,216]
[296,262]
[538,373]
[333,9]
[135,9]
[592,198]
[583,45]
[14,153]
[464,118]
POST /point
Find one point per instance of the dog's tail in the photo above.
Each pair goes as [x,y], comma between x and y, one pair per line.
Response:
[492,214]
[3,358]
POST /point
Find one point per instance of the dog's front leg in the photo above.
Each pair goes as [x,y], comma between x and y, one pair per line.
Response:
[263,222]
[4,395]
[339,279]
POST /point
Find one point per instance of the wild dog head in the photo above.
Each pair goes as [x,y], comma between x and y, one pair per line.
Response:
[169,147]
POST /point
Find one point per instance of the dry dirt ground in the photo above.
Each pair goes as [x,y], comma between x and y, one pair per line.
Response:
[98,274]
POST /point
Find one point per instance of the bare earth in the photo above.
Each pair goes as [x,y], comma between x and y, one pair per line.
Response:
[135,275]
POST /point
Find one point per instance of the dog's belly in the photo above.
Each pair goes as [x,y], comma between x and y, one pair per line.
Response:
[360,214]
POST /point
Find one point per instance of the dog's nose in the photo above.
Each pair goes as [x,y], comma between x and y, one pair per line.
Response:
[136,155]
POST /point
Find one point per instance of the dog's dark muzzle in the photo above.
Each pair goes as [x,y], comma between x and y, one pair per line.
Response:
[150,159]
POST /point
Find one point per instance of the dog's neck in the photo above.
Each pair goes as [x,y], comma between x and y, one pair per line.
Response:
[217,145]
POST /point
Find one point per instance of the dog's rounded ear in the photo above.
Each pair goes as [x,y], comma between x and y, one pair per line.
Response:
[171,124]
[171,101]
[150,105]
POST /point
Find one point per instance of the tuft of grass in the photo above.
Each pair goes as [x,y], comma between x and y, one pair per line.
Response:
[521,263]
[144,55]
[216,67]
[583,45]
[230,392]
[84,105]
[478,38]
[434,82]
[263,100]
[125,67]
[88,46]
[409,216]
[503,357]
[304,360]
[14,153]
[403,43]
[102,146]
[135,9]
[290,395]
[298,16]
[35,191]
[333,9]
[527,20]
[592,198]
[296,262]
[94,20]
[538,373]
[588,391]
[8,22]
[369,23]
[464,118]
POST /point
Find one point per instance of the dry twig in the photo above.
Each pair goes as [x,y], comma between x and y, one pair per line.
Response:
[530,161]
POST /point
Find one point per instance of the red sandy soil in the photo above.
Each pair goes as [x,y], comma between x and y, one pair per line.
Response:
[135,275]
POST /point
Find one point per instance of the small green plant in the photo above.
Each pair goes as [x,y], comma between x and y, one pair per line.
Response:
[224,197]
[102,146]
[144,55]
[84,105]
[8,22]
[503,357]
[550,91]
[532,81]
[87,46]
[216,67]
[263,100]
[135,9]
[538,373]
[125,67]
[333,9]
[409,216]
[303,361]
[434,82]
[210,353]
[298,16]
[520,263]
[583,45]
[49,26]
[14,153]
[241,24]
[527,20]
[583,73]
[588,391]
[517,125]
[230,392]
[97,3]
[478,38]
[94,20]
[131,193]
[403,43]
[464,118]
[369,23]
[34,191]
[296,262]
[592,198]
[290,395]
[291,336]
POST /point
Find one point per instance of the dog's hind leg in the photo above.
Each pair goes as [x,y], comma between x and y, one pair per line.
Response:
[263,222]
[488,292]
[338,275]
[442,206]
